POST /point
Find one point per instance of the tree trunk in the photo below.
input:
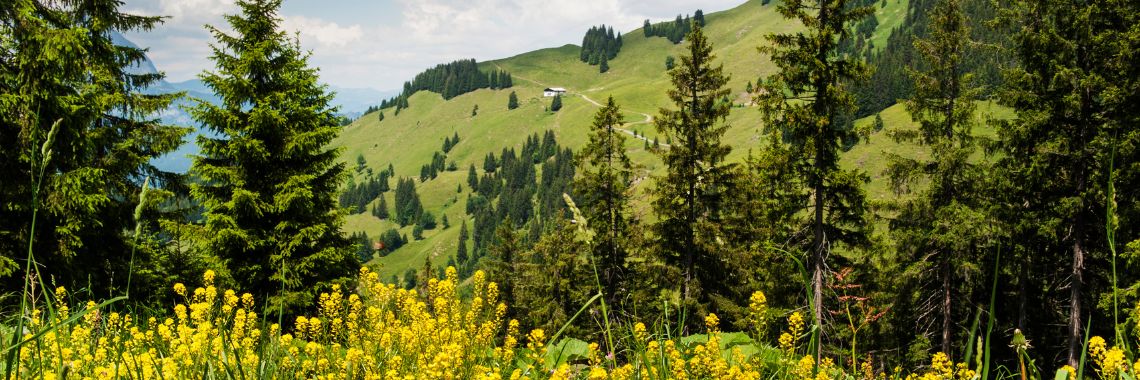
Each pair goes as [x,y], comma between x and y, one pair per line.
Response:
[1075,338]
[946,324]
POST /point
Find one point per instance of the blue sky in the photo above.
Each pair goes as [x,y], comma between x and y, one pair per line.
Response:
[381,43]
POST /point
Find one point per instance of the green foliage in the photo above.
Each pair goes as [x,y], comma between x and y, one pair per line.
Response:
[603,185]
[450,80]
[804,105]
[380,210]
[513,101]
[356,197]
[940,232]
[271,222]
[674,31]
[891,81]
[670,62]
[59,66]
[690,196]
[556,103]
[1075,94]
[408,206]
[599,45]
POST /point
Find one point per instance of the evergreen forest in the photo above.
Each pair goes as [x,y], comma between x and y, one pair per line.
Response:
[810,189]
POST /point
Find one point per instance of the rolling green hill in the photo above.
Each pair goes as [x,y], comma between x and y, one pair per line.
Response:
[637,80]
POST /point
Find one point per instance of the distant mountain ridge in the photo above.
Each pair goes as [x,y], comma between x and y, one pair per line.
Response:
[350,102]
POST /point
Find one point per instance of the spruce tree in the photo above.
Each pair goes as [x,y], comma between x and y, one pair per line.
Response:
[556,103]
[513,101]
[813,74]
[1075,94]
[603,187]
[690,195]
[381,209]
[941,230]
[461,252]
[604,66]
[268,179]
[60,70]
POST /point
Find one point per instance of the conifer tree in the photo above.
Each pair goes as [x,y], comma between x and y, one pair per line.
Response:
[461,252]
[941,231]
[1075,94]
[381,209]
[804,102]
[602,187]
[513,101]
[60,70]
[472,177]
[556,103]
[275,225]
[690,195]
[604,66]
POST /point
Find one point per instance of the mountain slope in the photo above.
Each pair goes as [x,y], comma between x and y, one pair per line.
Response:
[637,80]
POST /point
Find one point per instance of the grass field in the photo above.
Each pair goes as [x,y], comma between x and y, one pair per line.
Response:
[637,80]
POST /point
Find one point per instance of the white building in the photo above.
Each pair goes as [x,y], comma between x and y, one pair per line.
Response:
[553,91]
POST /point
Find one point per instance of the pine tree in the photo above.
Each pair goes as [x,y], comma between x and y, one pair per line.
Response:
[381,209]
[604,66]
[690,195]
[812,73]
[272,223]
[1075,94]
[461,252]
[942,229]
[60,70]
[472,177]
[381,115]
[556,104]
[602,187]
[513,101]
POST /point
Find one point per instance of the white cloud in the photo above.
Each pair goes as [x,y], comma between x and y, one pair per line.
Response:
[325,33]
[428,32]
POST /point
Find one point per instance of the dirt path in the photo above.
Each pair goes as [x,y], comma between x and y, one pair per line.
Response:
[624,128]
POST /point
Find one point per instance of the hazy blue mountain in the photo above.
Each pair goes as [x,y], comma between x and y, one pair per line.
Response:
[352,102]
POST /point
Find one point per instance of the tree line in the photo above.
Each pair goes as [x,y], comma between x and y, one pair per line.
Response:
[599,46]
[676,30]
[450,80]
[1020,229]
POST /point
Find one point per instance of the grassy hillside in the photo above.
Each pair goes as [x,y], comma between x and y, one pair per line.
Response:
[637,80]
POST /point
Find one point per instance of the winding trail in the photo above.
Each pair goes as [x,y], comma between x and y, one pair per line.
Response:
[624,127]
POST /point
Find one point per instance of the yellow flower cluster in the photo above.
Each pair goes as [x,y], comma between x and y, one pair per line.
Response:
[758,311]
[1111,360]
[942,368]
[378,331]
[795,328]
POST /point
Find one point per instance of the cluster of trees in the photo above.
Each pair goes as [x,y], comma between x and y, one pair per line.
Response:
[438,164]
[891,81]
[509,191]
[357,196]
[1037,209]
[364,248]
[450,142]
[83,203]
[439,160]
[78,133]
[450,80]
[676,30]
[409,210]
[599,46]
